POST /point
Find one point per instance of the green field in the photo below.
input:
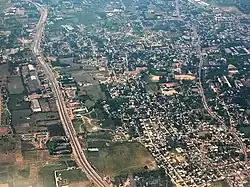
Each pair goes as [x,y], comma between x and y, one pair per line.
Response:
[245,130]
[6,173]
[16,102]
[75,175]
[121,159]
[222,2]
[5,118]
[20,116]
[46,174]
[15,85]
[78,124]
[7,143]
[4,4]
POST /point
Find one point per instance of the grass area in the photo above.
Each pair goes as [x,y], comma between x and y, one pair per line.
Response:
[78,126]
[7,143]
[43,116]
[4,71]
[20,116]
[66,21]
[6,173]
[16,102]
[152,87]
[75,175]
[221,183]
[30,155]
[15,85]
[94,93]
[86,17]
[4,4]
[222,2]
[245,130]
[98,144]
[24,173]
[5,118]
[100,135]
[121,159]
[46,174]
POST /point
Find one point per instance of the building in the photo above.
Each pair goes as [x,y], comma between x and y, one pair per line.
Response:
[31,67]
[33,85]
[35,106]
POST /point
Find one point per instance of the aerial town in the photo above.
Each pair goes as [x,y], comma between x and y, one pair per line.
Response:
[128,93]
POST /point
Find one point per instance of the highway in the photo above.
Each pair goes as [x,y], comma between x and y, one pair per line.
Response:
[79,156]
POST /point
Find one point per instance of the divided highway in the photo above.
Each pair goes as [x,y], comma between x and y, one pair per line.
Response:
[81,160]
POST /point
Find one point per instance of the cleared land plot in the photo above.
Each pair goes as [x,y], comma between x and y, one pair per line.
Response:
[89,125]
[15,85]
[122,159]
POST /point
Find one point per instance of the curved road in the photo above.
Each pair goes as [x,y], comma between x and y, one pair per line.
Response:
[209,110]
[82,162]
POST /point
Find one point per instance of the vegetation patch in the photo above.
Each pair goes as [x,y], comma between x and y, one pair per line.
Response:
[74,175]
[46,174]
[245,130]
[15,85]
[7,143]
[122,159]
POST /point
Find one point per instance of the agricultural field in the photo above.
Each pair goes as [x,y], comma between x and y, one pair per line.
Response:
[116,160]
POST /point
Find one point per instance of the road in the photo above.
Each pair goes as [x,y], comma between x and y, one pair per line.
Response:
[209,110]
[81,160]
